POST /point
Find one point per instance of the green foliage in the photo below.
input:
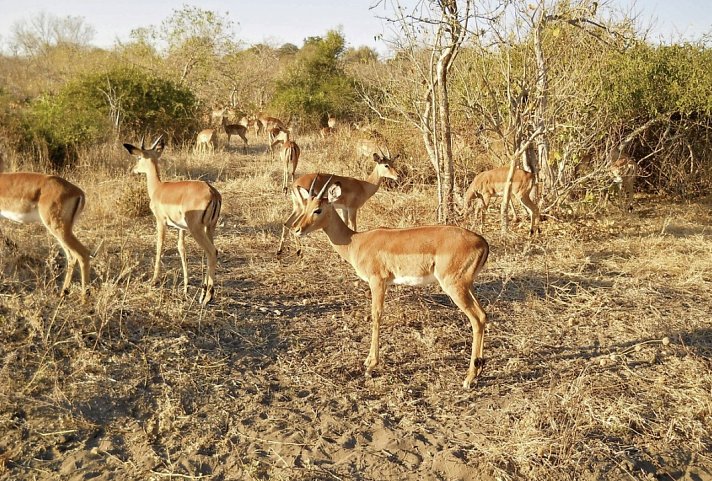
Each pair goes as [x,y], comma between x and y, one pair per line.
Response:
[647,81]
[91,108]
[316,82]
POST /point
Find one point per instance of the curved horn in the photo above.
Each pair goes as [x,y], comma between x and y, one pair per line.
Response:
[142,139]
[323,189]
[156,142]
[311,187]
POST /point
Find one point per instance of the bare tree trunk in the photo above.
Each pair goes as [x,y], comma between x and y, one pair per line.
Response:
[544,173]
[448,168]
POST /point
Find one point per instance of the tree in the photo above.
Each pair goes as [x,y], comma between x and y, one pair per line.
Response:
[36,36]
[316,82]
[433,33]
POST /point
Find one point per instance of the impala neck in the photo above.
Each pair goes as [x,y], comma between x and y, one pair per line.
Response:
[374,181]
[339,235]
[153,179]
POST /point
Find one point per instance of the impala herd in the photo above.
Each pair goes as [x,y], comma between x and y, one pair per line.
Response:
[449,255]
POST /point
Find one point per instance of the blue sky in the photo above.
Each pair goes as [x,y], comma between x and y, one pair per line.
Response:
[280,21]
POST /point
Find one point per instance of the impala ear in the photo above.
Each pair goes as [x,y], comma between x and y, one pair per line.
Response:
[303,193]
[377,158]
[395,158]
[334,192]
[133,150]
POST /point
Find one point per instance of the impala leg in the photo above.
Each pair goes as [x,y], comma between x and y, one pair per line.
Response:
[160,237]
[465,299]
[482,205]
[183,260]
[285,229]
[378,293]
[203,239]
[533,212]
[285,175]
[78,253]
[514,210]
[73,250]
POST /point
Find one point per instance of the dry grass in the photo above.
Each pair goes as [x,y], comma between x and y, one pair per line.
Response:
[267,383]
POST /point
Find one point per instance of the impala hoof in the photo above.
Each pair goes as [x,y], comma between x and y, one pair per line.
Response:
[207,295]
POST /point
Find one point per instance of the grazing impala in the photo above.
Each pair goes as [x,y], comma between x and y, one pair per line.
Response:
[354,193]
[207,141]
[490,183]
[289,153]
[450,255]
[28,197]
[189,205]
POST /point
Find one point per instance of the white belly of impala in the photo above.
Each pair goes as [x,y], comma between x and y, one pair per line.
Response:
[30,217]
[178,223]
[414,280]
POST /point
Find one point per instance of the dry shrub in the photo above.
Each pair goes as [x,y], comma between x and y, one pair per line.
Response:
[133,201]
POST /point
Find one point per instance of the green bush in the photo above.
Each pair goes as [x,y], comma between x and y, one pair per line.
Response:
[122,101]
[316,83]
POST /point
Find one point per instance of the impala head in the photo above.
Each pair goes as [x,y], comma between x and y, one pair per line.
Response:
[385,166]
[146,156]
[318,208]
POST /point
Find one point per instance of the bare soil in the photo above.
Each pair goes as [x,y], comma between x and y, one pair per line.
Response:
[598,348]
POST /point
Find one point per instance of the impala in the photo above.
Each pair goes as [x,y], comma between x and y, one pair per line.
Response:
[189,205]
[367,147]
[217,114]
[264,122]
[28,197]
[450,255]
[624,169]
[235,129]
[275,136]
[354,193]
[289,153]
[490,183]
[207,141]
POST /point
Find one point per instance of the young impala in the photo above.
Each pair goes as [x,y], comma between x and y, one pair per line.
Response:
[490,183]
[28,197]
[354,193]
[189,205]
[450,255]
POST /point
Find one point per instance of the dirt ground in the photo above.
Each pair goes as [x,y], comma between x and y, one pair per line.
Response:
[598,349]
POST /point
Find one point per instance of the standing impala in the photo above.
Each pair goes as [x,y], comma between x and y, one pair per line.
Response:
[189,205]
[490,183]
[289,153]
[28,197]
[235,129]
[354,193]
[450,255]
[206,141]
[624,170]
[264,122]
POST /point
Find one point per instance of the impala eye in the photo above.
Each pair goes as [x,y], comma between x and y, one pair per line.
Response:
[318,211]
